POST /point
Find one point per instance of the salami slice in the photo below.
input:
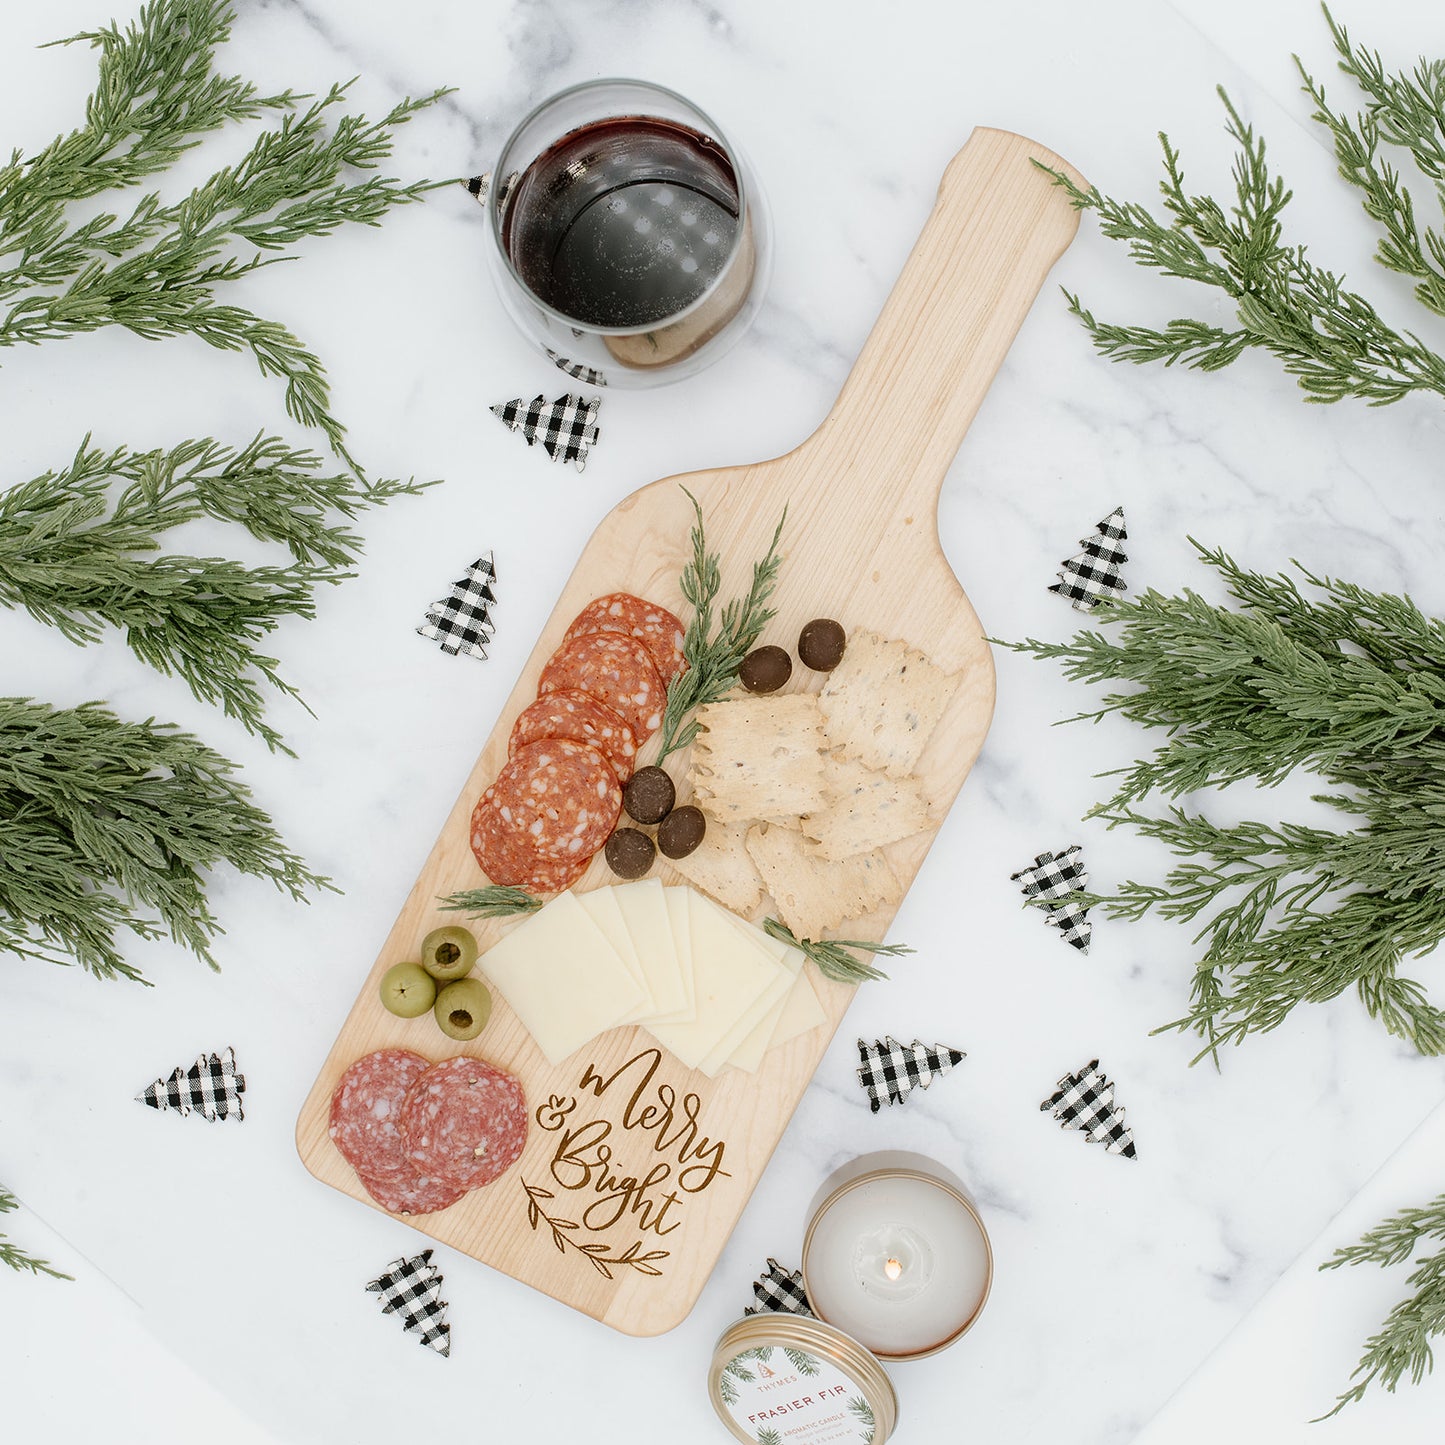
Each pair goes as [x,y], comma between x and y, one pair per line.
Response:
[410,1193]
[464,1122]
[615,669]
[366,1111]
[580,717]
[554,802]
[655,627]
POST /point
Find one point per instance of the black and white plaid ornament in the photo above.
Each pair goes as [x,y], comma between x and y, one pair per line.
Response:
[1049,881]
[412,1288]
[1092,576]
[779,1290]
[211,1086]
[1085,1100]
[566,427]
[890,1070]
[462,621]
[582,372]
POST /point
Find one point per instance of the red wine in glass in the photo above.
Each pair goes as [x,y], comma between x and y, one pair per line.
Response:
[624,222]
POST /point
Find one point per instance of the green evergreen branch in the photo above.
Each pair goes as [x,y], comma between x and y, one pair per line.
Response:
[1330,338]
[713,659]
[15,1257]
[157,271]
[836,958]
[494,901]
[107,826]
[1349,685]
[77,558]
[1402,1343]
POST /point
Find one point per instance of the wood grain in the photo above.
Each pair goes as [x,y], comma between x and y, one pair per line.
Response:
[861,544]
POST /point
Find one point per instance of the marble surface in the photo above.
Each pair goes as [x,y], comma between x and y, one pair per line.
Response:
[176,1229]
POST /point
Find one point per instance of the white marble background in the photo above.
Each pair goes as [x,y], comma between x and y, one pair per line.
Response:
[176,1228]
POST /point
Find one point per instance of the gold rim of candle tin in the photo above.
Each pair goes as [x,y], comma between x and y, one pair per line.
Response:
[860,1364]
[947,1188]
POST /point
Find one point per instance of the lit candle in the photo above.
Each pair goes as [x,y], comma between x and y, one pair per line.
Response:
[897,1258]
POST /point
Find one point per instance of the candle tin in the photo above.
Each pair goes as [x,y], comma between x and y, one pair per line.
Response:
[896,1164]
[778,1376]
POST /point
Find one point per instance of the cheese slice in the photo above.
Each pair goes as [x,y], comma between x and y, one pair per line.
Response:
[679,918]
[644,911]
[760,1018]
[729,977]
[562,977]
[601,906]
[794,1006]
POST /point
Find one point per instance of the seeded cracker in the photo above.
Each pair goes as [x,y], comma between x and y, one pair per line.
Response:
[866,809]
[759,757]
[814,895]
[881,704]
[722,868]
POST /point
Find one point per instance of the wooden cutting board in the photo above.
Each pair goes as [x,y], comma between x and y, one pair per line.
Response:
[629,1153]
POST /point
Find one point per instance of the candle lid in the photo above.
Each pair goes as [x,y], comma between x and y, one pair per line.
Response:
[778,1376]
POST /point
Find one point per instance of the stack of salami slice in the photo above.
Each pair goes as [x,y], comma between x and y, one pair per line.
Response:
[420,1135]
[600,698]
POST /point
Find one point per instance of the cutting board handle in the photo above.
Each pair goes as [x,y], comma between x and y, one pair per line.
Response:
[997,228]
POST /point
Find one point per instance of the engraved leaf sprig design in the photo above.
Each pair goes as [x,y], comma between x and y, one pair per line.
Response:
[597,1254]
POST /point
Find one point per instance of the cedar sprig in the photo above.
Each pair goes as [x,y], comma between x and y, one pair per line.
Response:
[78,554]
[159,270]
[1402,1343]
[493,901]
[109,826]
[1328,336]
[15,1257]
[713,658]
[1346,684]
[837,958]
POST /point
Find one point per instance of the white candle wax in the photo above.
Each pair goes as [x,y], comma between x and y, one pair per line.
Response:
[899,1262]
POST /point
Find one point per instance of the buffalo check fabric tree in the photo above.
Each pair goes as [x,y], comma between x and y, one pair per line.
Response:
[890,1070]
[566,427]
[211,1087]
[1050,882]
[1085,1100]
[412,1288]
[1092,576]
[462,621]
[779,1291]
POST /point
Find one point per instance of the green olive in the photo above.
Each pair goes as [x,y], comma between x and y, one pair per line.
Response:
[407,990]
[463,1008]
[448,953]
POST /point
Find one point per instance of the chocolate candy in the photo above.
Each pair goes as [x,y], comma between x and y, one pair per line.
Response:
[765,669]
[821,643]
[649,795]
[681,831]
[629,853]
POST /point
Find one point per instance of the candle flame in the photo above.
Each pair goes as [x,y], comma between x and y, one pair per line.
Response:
[892,1268]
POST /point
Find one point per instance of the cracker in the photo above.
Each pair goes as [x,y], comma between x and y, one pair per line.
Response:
[759,758]
[814,895]
[866,809]
[881,704]
[722,868]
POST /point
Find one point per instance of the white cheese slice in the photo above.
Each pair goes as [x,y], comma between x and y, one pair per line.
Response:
[679,915]
[761,1016]
[561,977]
[601,906]
[801,1011]
[644,911]
[729,977]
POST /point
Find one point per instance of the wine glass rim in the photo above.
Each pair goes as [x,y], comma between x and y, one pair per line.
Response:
[713,133]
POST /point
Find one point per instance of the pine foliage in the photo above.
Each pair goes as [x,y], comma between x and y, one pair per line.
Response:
[110,827]
[1328,336]
[1346,684]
